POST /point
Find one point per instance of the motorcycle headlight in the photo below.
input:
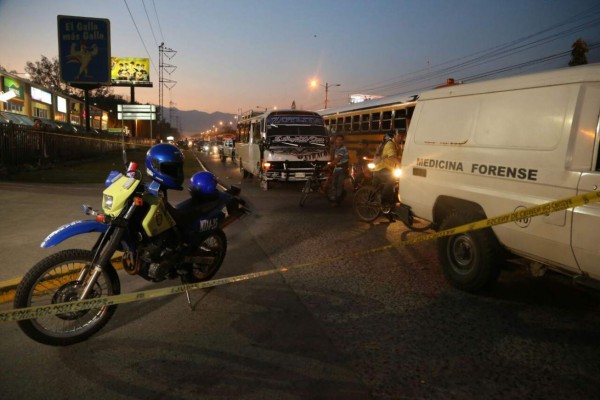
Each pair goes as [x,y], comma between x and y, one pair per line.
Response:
[371,165]
[108,202]
[397,173]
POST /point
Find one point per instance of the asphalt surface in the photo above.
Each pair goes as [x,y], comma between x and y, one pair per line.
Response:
[380,326]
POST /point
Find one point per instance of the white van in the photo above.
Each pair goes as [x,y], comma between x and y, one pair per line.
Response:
[479,150]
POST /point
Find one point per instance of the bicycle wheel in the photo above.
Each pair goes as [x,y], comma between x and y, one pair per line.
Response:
[367,203]
[306,189]
[350,184]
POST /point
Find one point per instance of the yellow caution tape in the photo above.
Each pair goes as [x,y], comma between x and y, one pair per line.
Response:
[53,309]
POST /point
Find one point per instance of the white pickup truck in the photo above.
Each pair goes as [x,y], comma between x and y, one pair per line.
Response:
[479,150]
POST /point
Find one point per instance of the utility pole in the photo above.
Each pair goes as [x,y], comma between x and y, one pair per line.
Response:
[327,86]
[164,52]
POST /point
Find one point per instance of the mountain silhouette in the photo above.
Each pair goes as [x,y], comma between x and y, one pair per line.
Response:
[193,122]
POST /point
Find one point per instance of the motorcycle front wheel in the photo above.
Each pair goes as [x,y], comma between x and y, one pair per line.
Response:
[54,280]
[206,259]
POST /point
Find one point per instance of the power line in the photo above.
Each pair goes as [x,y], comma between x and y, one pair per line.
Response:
[158,21]
[150,23]
[492,54]
[140,35]
[497,71]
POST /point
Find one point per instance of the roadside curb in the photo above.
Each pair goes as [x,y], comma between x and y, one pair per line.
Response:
[9,287]
[7,290]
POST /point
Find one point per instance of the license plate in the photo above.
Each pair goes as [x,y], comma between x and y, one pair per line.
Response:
[300,175]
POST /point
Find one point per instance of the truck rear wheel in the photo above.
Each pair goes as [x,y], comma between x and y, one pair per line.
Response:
[470,259]
[244,173]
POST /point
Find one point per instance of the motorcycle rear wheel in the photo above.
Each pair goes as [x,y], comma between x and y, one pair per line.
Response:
[53,280]
[208,257]
[367,203]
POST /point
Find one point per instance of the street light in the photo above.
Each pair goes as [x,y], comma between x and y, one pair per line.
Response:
[314,83]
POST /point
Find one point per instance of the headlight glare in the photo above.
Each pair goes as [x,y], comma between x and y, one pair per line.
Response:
[108,202]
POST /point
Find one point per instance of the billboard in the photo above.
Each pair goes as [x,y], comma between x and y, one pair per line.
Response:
[15,86]
[129,71]
[40,95]
[61,104]
[84,50]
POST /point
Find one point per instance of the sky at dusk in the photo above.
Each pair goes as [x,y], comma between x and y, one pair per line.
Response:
[234,55]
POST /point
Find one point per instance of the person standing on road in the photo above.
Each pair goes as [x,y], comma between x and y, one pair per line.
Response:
[340,169]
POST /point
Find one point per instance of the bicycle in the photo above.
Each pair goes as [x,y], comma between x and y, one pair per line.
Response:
[360,175]
[320,182]
[368,207]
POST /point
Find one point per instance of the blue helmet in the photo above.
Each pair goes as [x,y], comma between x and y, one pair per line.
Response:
[203,185]
[164,164]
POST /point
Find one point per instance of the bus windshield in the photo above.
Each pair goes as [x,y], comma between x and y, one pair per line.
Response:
[296,130]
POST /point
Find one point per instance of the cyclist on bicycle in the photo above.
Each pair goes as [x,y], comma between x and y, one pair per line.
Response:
[391,156]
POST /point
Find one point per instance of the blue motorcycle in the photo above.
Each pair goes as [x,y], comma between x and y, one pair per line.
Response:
[157,241]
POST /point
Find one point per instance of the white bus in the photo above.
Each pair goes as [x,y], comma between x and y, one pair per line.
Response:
[281,145]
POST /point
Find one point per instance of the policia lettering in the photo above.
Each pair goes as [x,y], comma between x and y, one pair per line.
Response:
[61,308]
[501,171]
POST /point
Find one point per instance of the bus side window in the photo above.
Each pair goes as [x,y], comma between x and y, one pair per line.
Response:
[375,119]
[355,123]
[386,122]
[347,124]
[256,133]
[399,119]
[364,126]
[243,138]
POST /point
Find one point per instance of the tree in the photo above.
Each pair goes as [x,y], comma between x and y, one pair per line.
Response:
[579,49]
[46,73]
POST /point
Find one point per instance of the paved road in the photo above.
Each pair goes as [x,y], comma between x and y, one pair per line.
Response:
[382,326]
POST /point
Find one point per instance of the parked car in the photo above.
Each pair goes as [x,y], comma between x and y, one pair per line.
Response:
[44,124]
[227,150]
[65,127]
[15,118]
